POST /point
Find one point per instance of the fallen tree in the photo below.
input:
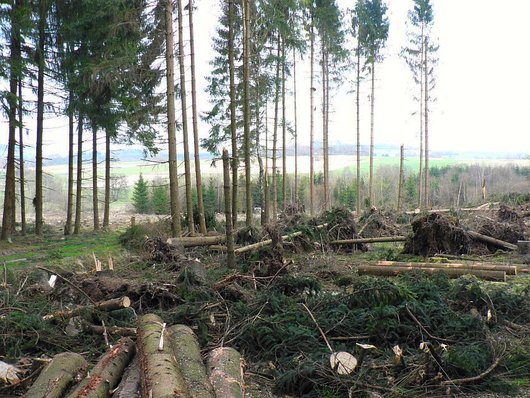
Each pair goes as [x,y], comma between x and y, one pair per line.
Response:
[226,373]
[64,370]
[369,240]
[509,269]
[188,355]
[193,241]
[160,376]
[383,270]
[491,241]
[107,305]
[107,373]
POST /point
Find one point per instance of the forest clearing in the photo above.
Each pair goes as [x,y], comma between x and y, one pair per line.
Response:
[263,199]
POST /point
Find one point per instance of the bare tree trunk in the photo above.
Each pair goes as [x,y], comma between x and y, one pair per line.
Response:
[95,199]
[426,185]
[372,100]
[324,137]
[9,192]
[21,160]
[295,131]
[327,194]
[79,177]
[70,193]
[357,105]
[420,171]
[198,174]
[246,110]
[266,196]
[187,168]
[39,221]
[230,259]
[284,133]
[312,122]
[176,228]
[106,212]
[233,128]
[400,181]
[275,135]
[258,147]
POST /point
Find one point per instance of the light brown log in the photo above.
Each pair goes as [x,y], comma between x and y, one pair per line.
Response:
[193,241]
[107,305]
[509,269]
[188,355]
[267,242]
[116,330]
[226,373]
[64,370]
[383,270]
[129,386]
[107,373]
[160,375]
[369,240]
[492,241]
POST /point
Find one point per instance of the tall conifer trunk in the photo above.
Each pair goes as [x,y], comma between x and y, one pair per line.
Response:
[372,100]
[176,228]
[187,168]
[79,178]
[312,121]
[426,187]
[95,199]
[21,160]
[295,131]
[358,111]
[233,127]
[275,134]
[198,175]
[70,193]
[106,210]
[284,132]
[246,109]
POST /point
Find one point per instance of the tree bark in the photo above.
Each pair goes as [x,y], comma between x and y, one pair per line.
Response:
[95,199]
[194,241]
[196,148]
[176,228]
[499,276]
[400,181]
[357,105]
[426,185]
[161,377]
[233,127]
[246,109]
[275,133]
[226,374]
[55,379]
[509,269]
[188,354]
[129,386]
[372,100]
[107,373]
[79,177]
[284,133]
[420,172]
[266,191]
[295,130]
[230,259]
[184,108]
[369,240]
[107,305]
[21,160]
[106,211]
[70,193]
[9,191]
[312,120]
[492,241]
[41,60]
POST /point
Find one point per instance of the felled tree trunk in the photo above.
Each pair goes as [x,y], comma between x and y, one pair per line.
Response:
[192,241]
[226,375]
[369,240]
[509,269]
[160,375]
[188,354]
[383,270]
[64,370]
[492,241]
[107,305]
[107,373]
[129,386]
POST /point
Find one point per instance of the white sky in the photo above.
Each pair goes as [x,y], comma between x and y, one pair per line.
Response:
[483,83]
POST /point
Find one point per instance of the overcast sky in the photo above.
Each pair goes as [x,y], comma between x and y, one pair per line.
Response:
[482,93]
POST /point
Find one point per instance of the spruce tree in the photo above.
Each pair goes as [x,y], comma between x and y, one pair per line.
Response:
[140,196]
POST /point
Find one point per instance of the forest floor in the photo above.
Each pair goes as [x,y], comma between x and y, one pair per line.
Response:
[432,336]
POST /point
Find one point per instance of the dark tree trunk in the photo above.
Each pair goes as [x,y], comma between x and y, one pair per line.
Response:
[106,212]
[70,193]
[230,257]
[79,178]
[295,131]
[275,135]
[357,105]
[95,199]
[312,123]
[284,133]
[184,106]
[246,110]
[233,128]
[21,160]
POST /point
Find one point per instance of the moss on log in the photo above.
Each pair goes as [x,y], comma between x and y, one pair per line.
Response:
[226,375]
[188,355]
[64,370]
[160,376]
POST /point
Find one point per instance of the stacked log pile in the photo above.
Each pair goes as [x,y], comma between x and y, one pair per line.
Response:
[163,362]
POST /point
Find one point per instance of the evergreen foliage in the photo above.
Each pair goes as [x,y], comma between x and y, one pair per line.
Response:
[140,196]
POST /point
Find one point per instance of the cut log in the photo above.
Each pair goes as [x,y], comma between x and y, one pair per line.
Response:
[64,370]
[524,246]
[492,241]
[267,242]
[193,241]
[509,269]
[107,305]
[188,355]
[107,373]
[160,375]
[369,240]
[383,270]
[116,330]
[129,386]
[226,372]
